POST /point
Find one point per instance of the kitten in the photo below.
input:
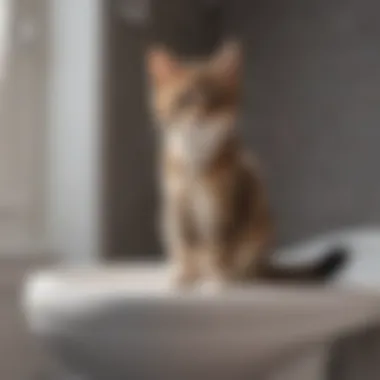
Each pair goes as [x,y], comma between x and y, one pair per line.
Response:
[215,214]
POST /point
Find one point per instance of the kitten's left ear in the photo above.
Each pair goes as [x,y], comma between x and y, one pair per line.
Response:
[162,65]
[228,61]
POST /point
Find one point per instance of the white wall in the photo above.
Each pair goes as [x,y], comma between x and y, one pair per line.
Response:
[4,33]
[23,60]
[75,123]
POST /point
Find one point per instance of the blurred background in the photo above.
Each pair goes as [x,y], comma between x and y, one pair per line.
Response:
[77,150]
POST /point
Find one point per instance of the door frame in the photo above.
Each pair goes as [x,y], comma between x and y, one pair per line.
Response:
[75,130]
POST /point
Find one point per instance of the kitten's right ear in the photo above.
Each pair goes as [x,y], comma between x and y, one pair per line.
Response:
[227,61]
[161,65]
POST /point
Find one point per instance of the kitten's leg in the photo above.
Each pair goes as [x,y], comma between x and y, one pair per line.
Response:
[247,258]
[214,249]
[216,266]
[183,258]
[182,261]
[184,271]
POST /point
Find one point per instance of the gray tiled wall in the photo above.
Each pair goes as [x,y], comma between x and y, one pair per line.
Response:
[311,110]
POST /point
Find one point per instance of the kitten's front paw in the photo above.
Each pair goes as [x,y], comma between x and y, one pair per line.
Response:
[212,286]
[181,278]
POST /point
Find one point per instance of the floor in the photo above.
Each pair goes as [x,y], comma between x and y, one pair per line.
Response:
[20,356]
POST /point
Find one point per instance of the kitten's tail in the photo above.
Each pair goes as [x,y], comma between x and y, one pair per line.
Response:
[322,270]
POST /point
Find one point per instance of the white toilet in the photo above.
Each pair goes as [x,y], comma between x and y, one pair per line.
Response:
[124,323]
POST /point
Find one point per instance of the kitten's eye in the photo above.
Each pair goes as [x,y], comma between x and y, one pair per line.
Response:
[215,98]
[214,101]
[186,99]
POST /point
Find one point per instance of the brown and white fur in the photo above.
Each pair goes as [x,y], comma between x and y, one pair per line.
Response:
[215,216]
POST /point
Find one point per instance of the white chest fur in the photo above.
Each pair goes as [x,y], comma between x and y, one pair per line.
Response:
[195,144]
[196,197]
[202,208]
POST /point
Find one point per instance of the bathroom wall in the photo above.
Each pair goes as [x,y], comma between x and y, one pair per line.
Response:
[311,110]
[23,66]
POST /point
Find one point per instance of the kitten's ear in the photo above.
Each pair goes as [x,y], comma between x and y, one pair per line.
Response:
[228,61]
[161,65]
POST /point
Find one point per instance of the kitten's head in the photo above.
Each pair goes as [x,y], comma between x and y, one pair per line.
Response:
[196,101]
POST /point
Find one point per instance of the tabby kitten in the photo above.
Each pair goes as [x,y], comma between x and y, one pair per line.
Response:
[215,217]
